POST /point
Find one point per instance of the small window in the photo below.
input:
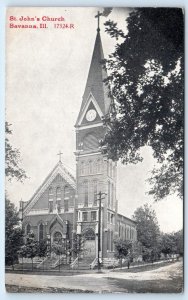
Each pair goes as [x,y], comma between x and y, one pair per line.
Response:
[109,196]
[84,216]
[99,166]
[107,167]
[112,195]
[114,171]
[50,193]
[108,240]
[112,219]
[93,216]
[58,194]
[66,192]
[95,192]
[90,164]
[110,169]
[41,232]
[66,205]
[59,206]
[112,241]
[82,166]
[50,206]
[85,193]
[28,229]
[108,217]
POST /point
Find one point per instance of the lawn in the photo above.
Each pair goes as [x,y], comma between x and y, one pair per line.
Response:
[23,289]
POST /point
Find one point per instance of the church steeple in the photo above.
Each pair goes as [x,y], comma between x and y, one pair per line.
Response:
[95,85]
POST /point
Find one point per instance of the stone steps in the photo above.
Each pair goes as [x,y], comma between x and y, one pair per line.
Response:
[84,263]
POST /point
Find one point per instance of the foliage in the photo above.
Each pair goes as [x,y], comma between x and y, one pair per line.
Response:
[146,78]
[122,248]
[12,159]
[172,243]
[58,249]
[30,249]
[13,233]
[77,245]
[179,242]
[148,232]
[42,248]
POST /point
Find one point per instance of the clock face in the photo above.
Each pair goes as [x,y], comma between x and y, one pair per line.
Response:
[91,115]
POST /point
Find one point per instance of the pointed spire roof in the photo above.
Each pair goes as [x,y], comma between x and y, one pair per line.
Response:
[95,84]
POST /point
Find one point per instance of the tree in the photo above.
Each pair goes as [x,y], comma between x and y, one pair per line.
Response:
[122,249]
[148,231]
[12,159]
[179,242]
[172,243]
[30,249]
[78,242]
[13,233]
[146,78]
[42,248]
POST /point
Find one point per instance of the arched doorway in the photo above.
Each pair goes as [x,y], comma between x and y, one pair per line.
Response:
[89,243]
[57,237]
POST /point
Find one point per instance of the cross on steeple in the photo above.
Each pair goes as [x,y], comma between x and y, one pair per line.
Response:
[98,17]
[60,153]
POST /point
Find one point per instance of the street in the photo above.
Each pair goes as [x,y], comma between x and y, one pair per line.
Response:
[165,279]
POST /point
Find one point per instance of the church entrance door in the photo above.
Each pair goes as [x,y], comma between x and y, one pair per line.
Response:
[89,248]
[89,243]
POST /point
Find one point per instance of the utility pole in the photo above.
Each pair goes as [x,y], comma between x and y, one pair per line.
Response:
[99,228]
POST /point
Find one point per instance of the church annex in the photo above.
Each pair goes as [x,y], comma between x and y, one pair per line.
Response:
[64,206]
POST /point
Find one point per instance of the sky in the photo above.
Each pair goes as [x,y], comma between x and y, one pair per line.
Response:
[46,73]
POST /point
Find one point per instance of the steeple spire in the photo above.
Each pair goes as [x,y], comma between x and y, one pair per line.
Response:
[95,81]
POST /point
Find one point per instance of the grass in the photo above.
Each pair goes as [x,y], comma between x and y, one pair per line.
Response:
[150,286]
[23,289]
[142,267]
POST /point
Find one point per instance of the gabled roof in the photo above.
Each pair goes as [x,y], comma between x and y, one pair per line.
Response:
[57,219]
[58,169]
[95,84]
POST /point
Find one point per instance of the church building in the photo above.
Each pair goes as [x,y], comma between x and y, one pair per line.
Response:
[65,206]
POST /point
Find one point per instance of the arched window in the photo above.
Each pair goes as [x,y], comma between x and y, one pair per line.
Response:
[41,232]
[89,234]
[90,167]
[58,199]
[110,168]
[50,199]
[66,192]
[94,167]
[95,190]
[99,166]
[28,229]
[58,193]
[114,171]
[112,195]
[107,167]
[126,232]
[85,193]
[50,193]
[66,198]
[108,239]
[112,241]
[82,166]
[109,194]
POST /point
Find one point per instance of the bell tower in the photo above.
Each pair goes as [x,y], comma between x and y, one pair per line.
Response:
[95,172]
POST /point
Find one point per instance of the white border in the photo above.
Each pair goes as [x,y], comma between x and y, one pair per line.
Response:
[101,3]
